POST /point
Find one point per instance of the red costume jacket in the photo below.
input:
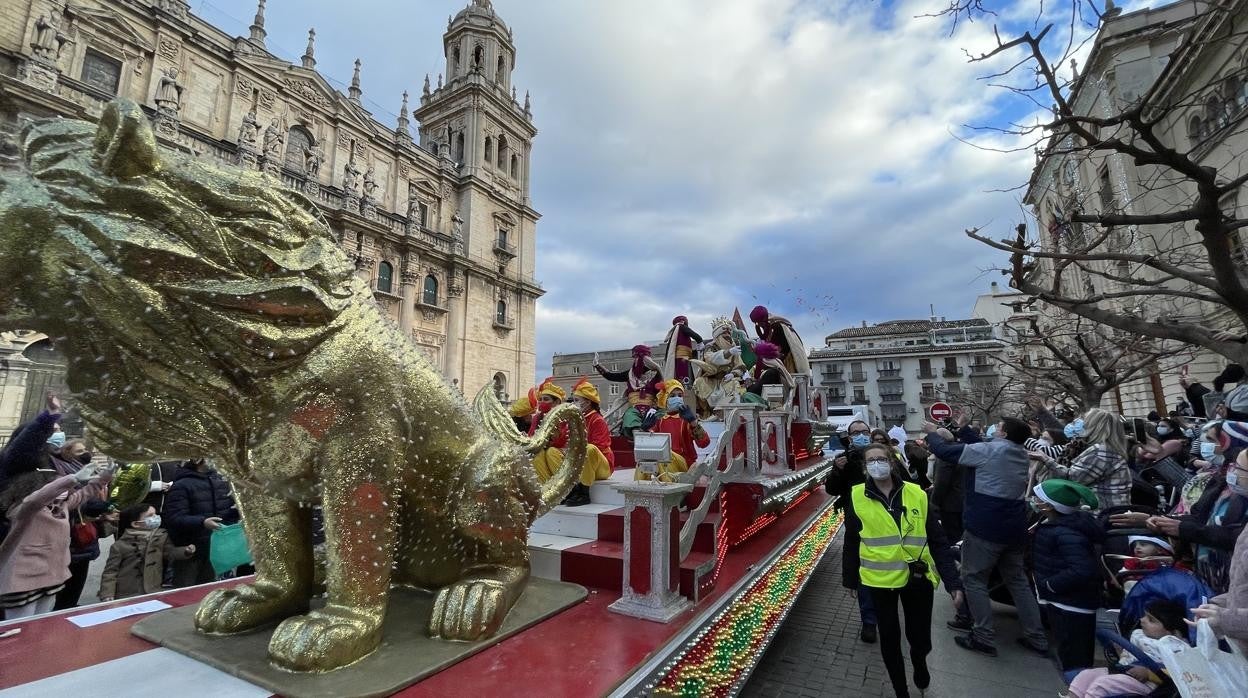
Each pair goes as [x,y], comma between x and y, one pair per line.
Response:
[599,434]
[683,441]
[560,441]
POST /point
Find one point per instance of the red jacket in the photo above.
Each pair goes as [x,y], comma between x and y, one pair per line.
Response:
[599,434]
[561,439]
[683,440]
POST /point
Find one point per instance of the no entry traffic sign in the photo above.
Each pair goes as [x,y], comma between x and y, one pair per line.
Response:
[940,411]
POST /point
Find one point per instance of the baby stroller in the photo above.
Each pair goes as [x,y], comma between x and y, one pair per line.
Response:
[1117,549]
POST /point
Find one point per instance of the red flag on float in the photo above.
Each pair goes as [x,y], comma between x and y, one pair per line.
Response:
[736,319]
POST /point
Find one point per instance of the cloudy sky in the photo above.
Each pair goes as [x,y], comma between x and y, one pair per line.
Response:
[696,155]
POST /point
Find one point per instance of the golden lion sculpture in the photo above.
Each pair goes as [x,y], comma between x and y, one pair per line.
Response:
[208,312]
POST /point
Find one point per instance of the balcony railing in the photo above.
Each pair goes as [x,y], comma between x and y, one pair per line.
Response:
[432,304]
[502,249]
[893,416]
[891,398]
[858,376]
[928,398]
[833,376]
[983,369]
[836,399]
[860,400]
[926,373]
[504,323]
[890,374]
[951,372]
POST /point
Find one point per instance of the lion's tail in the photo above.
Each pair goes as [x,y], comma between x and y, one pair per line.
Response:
[498,423]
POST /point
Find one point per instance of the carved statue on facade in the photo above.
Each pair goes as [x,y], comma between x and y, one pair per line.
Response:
[249,128]
[350,177]
[248,339]
[47,40]
[457,226]
[370,183]
[313,157]
[169,92]
[274,136]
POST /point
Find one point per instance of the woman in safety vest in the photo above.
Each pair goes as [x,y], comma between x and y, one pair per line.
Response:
[894,546]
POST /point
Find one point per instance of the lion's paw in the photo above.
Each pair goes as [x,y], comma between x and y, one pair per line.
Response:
[325,639]
[469,610]
[245,607]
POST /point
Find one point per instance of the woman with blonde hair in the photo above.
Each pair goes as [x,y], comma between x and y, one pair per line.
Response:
[1102,466]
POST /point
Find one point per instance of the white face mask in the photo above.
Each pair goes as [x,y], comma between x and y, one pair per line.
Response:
[879,469]
[1162,430]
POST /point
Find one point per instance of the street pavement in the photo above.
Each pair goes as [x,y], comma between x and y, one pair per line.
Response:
[817,652]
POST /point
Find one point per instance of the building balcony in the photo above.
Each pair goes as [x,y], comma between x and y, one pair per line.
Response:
[892,398]
[858,377]
[502,249]
[983,369]
[860,400]
[432,305]
[885,374]
[951,372]
[893,416]
[928,398]
[926,373]
[504,323]
[830,377]
[836,399]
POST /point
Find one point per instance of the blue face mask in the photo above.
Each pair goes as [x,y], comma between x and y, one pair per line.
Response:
[1232,481]
[57,439]
[1208,449]
[991,433]
[674,403]
[1073,429]
[860,440]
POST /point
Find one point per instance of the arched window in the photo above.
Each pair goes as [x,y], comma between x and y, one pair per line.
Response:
[298,141]
[478,56]
[515,166]
[489,149]
[500,72]
[500,387]
[500,312]
[1195,129]
[1236,96]
[455,61]
[459,147]
[430,295]
[385,277]
[503,152]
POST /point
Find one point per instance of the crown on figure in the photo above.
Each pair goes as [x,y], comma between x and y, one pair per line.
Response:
[721,324]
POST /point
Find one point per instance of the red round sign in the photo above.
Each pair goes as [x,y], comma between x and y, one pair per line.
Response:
[940,411]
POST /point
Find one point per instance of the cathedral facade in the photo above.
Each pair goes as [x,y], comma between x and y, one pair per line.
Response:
[433,207]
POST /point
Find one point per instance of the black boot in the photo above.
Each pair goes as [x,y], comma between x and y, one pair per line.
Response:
[579,496]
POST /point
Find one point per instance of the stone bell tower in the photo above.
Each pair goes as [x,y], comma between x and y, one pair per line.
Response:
[476,118]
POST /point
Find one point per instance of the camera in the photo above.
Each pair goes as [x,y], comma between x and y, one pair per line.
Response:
[918,569]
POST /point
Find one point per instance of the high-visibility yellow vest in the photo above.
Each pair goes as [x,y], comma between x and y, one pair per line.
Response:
[886,549]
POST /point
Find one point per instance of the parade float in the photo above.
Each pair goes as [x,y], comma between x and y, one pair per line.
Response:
[449,568]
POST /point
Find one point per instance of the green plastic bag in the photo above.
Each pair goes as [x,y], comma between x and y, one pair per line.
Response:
[228,549]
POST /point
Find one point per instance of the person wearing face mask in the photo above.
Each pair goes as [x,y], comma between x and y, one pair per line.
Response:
[34,557]
[994,519]
[1214,522]
[599,458]
[31,445]
[848,470]
[136,562]
[679,422]
[896,552]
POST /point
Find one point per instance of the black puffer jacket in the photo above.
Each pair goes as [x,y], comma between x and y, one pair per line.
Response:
[1064,556]
[1217,534]
[196,496]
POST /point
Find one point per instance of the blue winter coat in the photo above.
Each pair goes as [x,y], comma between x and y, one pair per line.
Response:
[196,496]
[1064,560]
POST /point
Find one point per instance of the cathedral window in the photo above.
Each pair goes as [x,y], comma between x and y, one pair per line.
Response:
[478,57]
[385,277]
[101,72]
[430,295]
[1195,129]
[489,149]
[1215,113]
[503,152]
[422,210]
[298,142]
[500,72]
[459,147]
[500,312]
[515,166]
[455,60]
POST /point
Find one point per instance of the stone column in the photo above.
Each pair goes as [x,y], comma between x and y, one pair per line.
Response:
[652,551]
[456,322]
[409,286]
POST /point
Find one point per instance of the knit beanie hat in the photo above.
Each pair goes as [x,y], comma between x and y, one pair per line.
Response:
[1064,495]
[1159,542]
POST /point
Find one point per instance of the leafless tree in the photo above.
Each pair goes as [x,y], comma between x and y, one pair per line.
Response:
[1077,362]
[1152,249]
[986,400]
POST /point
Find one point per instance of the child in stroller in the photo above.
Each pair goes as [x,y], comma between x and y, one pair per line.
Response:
[1138,670]
[1148,553]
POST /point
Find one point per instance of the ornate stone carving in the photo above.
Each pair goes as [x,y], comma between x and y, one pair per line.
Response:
[38,75]
[267,99]
[168,48]
[306,90]
[248,129]
[244,86]
[433,339]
